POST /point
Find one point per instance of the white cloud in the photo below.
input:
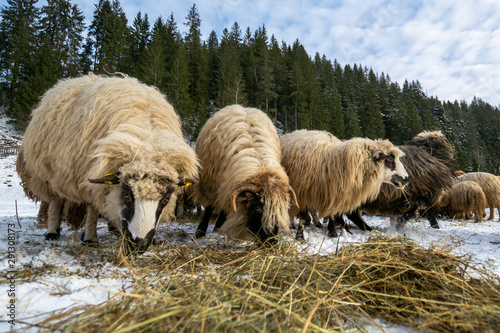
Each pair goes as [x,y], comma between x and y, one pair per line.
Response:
[451,46]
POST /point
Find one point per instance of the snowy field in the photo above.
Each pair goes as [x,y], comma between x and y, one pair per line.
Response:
[73,283]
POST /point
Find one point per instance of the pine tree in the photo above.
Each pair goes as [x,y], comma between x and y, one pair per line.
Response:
[197,65]
[332,101]
[140,38]
[177,83]
[230,78]
[213,68]
[18,38]
[62,27]
[109,35]
[152,65]
[352,128]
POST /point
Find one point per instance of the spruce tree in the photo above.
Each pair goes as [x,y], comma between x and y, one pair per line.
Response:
[151,68]
[140,38]
[230,78]
[18,38]
[109,36]
[197,66]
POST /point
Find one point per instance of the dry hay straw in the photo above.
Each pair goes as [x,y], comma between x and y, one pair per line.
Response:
[282,289]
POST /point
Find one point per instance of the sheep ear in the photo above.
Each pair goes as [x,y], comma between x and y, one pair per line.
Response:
[185,182]
[378,155]
[110,179]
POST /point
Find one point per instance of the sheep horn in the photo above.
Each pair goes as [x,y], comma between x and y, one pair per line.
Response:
[239,190]
[110,179]
[293,196]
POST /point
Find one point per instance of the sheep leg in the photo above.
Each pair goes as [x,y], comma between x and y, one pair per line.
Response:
[89,235]
[300,230]
[203,226]
[332,222]
[292,220]
[220,220]
[431,215]
[179,207]
[43,213]
[316,221]
[358,221]
[492,213]
[54,219]
[406,216]
[307,218]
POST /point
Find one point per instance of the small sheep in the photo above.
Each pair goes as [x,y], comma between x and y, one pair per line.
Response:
[241,176]
[112,144]
[490,184]
[463,197]
[335,177]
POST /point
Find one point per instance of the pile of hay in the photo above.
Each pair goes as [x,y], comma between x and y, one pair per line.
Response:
[281,289]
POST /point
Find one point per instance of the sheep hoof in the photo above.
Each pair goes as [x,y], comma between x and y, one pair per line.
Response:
[319,226]
[332,234]
[200,234]
[90,242]
[52,236]
[435,226]
[299,237]
[113,230]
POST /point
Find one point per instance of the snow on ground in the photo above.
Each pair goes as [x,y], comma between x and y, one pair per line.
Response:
[45,295]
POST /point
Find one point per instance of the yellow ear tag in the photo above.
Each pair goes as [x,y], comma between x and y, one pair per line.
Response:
[188,184]
[107,181]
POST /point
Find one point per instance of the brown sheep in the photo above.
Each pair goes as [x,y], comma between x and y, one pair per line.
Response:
[490,185]
[463,197]
[431,167]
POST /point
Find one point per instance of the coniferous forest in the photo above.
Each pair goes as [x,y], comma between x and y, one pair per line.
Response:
[42,44]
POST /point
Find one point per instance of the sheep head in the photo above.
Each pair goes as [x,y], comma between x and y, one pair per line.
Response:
[394,172]
[265,200]
[143,197]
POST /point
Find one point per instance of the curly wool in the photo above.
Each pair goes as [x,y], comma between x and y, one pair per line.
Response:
[490,184]
[95,125]
[240,146]
[464,197]
[333,176]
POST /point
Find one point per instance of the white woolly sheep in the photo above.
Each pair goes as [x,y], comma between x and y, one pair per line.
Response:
[335,177]
[241,175]
[109,142]
[490,185]
[463,197]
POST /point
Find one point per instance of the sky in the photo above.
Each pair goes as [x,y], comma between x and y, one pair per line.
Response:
[452,47]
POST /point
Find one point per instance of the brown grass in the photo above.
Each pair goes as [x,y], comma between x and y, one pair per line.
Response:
[282,289]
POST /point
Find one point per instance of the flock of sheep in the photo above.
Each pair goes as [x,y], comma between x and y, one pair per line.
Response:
[112,146]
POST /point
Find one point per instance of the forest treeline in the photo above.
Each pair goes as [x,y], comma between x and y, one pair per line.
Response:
[42,44]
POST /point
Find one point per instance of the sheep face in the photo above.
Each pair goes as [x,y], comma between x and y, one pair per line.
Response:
[394,172]
[142,199]
[261,206]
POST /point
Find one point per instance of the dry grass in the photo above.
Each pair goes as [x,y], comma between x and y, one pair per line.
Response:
[281,289]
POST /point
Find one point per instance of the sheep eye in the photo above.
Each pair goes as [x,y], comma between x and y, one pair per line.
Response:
[165,200]
[390,158]
[127,197]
